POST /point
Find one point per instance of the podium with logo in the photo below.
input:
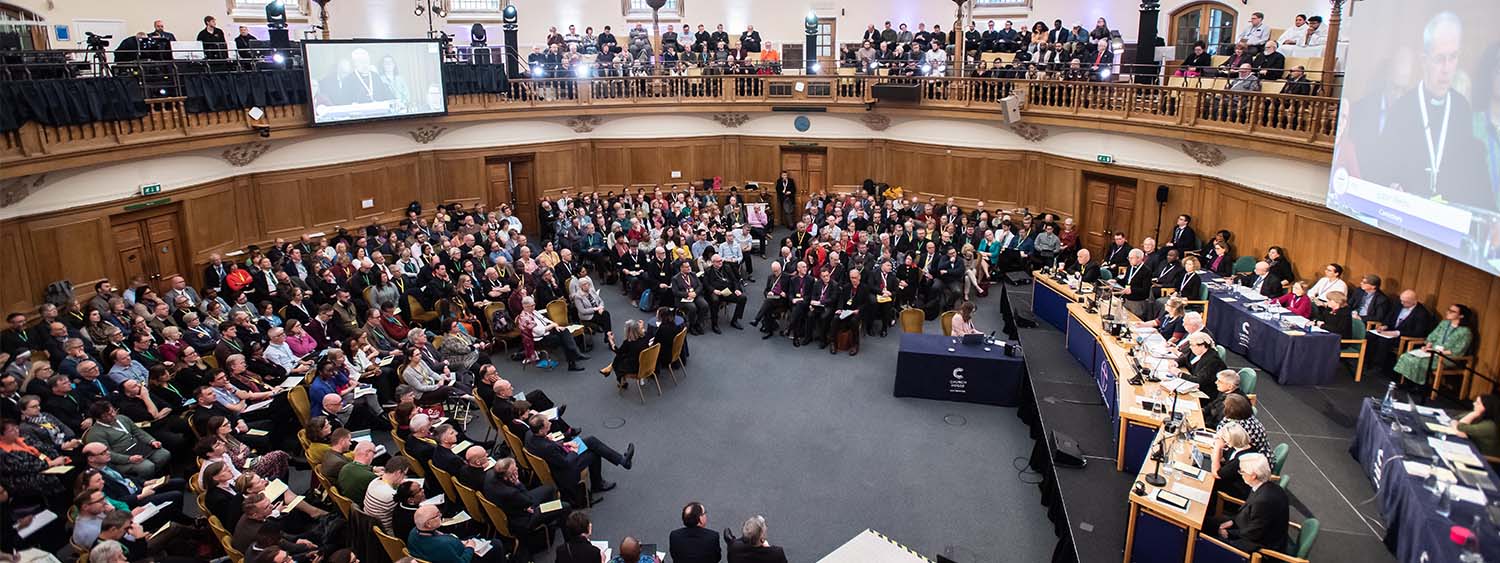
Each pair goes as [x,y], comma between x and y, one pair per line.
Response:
[933,366]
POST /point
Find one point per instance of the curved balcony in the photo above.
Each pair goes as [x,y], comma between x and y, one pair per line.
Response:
[1293,126]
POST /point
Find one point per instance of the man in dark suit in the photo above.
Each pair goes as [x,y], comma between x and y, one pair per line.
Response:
[753,547]
[214,272]
[522,505]
[1264,281]
[1183,237]
[687,294]
[786,194]
[1410,319]
[567,464]
[1170,271]
[18,337]
[1262,522]
[723,287]
[694,542]
[1137,285]
[1085,265]
[1369,302]
[1118,253]
[775,303]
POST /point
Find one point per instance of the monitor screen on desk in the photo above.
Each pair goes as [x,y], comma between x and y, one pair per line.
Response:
[1418,145]
[361,80]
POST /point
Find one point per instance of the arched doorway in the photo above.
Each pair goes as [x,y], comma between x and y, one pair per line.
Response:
[1209,22]
[21,29]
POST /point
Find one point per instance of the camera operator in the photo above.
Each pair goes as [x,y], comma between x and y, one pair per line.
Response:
[160,42]
[130,48]
[244,43]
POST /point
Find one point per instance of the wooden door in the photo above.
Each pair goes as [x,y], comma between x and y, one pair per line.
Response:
[510,183]
[808,168]
[149,244]
[828,50]
[1109,206]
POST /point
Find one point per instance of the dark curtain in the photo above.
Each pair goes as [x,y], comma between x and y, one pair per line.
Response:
[69,101]
[238,90]
[474,79]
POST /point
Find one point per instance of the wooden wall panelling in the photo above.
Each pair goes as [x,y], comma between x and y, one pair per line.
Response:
[461,178]
[278,202]
[648,163]
[758,159]
[16,277]
[325,199]
[73,247]
[556,170]
[611,167]
[211,221]
[1062,191]
[1372,252]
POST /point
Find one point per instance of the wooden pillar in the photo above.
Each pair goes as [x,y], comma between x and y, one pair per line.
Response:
[1330,48]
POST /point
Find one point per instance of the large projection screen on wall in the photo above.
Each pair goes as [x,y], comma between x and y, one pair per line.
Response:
[1418,149]
[362,80]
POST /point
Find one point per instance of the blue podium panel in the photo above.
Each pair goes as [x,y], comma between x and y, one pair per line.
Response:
[1206,551]
[1158,540]
[1082,345]
[1049,305]
[1138,438]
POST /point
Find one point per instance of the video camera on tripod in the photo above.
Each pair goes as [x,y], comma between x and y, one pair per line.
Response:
[96,41]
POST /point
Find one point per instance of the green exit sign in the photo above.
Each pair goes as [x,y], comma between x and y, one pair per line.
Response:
[150,189]
[1105,159]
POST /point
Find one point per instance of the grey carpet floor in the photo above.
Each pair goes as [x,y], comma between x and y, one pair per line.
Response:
[816,443]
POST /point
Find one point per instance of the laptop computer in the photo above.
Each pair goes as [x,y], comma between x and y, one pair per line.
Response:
[973,339]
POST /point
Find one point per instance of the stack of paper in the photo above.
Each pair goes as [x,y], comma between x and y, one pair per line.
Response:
[434,500]
[38,521]
[275,489]
[149,511]
[459,518]
[290,382]
[482,546]
[604,548]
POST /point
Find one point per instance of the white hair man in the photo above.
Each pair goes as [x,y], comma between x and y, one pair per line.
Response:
[1262,522]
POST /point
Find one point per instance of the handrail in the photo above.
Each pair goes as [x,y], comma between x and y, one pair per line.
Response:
[1306,121]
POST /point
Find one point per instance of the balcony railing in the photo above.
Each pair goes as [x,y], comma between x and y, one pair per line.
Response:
[1306,121]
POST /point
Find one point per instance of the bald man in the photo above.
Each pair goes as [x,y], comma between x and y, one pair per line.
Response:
[1409,318]
[425,542]
[1085,266]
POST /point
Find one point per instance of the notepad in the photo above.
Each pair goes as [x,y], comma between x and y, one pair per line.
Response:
[252,407]
[1431,427]
[551,413]
[1188,471]
[58,470]
[551,506]
[482,546]
[433,500]
[461,446]
[1190,493]
[882,299]
[275,489]
[38,521]
[149,511]
[256,432]
[290,382]
[386,361]
[459,518]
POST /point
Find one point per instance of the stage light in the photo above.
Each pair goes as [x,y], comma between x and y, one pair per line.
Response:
[1104,74]
[874,65]
[275,15]
[536,71]
[817,68]
[278,58]
[926,69]
[581,71]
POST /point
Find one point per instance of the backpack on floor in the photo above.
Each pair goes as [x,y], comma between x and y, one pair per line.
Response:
[645,303]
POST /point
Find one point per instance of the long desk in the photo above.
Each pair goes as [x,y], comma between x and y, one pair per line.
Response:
[1157,531]
[1293,357]
[933,366]
[1415,531]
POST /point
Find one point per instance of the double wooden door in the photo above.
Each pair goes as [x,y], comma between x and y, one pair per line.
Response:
[1108,207]
[807,167]
[149,244]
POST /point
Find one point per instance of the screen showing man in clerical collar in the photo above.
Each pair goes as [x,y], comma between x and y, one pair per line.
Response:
[355,81]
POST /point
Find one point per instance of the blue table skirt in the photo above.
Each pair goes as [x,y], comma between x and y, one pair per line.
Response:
[926,369]
[1415,532]
[1310,359]
[1049,305]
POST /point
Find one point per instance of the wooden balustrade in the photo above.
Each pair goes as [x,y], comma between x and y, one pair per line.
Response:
[1268,117]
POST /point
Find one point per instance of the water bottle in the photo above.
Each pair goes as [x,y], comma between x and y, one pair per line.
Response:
[1387,405]
[1445,499]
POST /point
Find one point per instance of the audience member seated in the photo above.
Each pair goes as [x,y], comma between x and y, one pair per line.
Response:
[1334,317]
[567,462]
[1230,444]
[1263,281]
[1452,337]
[1202,363]
[1237,410]
[1479,425]
[1227,382]
[425,542]
[753,545]
[131,450]
[1262,522]
[1331,281]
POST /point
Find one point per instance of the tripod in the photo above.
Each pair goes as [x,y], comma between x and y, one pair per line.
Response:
[98,60]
